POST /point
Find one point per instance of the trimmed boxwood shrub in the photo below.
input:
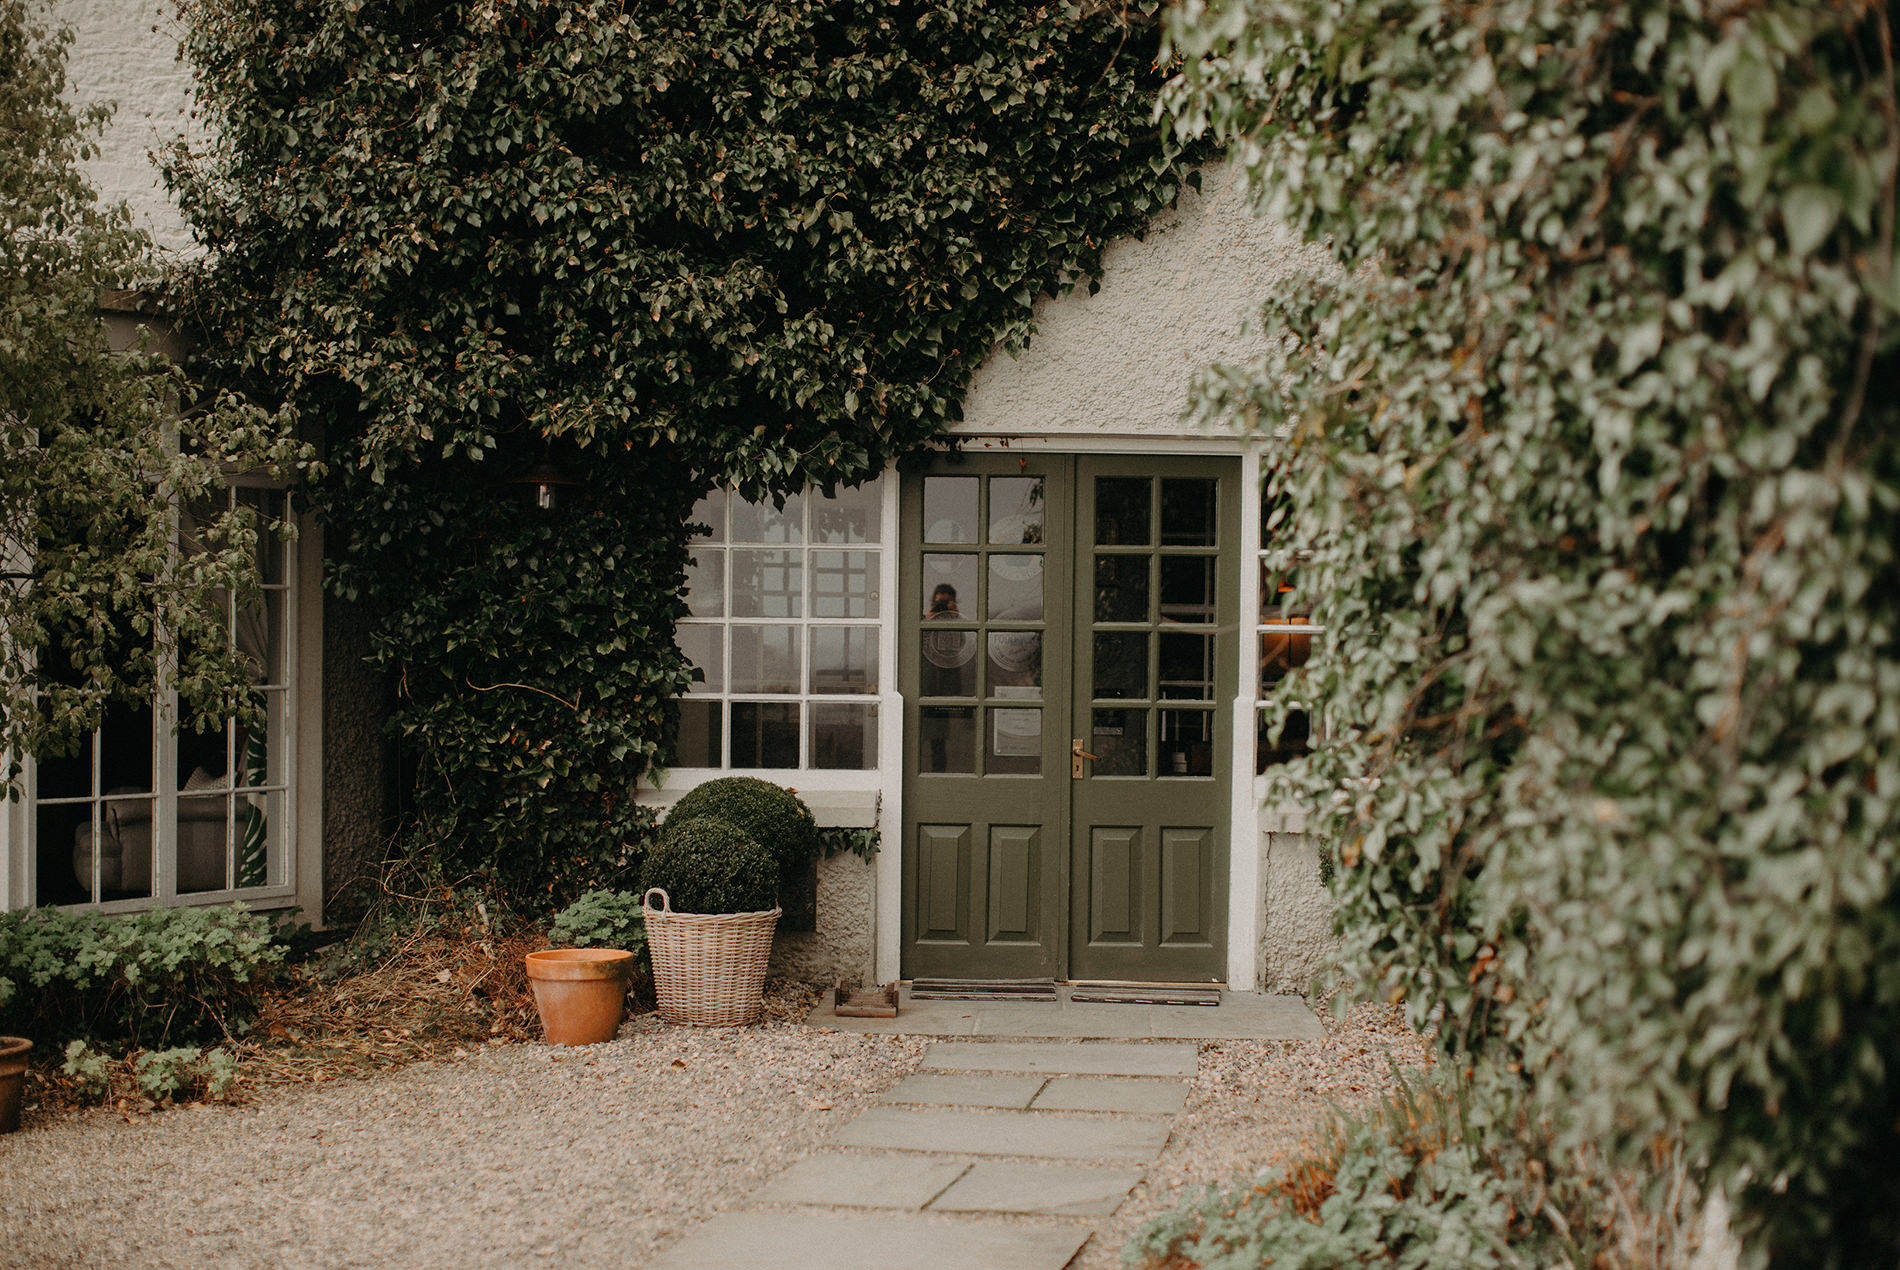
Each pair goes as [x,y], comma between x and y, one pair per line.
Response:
[770,815]
[708,866]
[161,977]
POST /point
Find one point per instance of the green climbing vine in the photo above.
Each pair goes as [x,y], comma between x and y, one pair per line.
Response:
[658,246]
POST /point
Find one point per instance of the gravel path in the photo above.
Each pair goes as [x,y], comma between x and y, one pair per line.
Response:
[522,1154]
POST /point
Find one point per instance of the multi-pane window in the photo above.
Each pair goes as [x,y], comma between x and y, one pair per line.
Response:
[1286,632]
[781,627]
[145,811]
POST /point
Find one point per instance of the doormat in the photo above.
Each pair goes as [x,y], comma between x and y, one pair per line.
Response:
[983,990]
[1146,993]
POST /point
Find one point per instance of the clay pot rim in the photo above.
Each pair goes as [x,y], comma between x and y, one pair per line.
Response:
[579,963]
[11,1045]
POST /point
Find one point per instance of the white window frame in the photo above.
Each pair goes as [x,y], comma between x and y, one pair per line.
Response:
[293,876]
[881,490]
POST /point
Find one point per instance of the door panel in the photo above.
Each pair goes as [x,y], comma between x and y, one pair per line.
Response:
[1054,604]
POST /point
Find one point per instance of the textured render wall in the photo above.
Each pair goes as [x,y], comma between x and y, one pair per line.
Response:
[845,943]
[126,52]
[1296,929]
[1120,362]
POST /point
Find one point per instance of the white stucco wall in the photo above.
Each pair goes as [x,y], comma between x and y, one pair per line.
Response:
[126,52]
[1297,944]
[1120,362]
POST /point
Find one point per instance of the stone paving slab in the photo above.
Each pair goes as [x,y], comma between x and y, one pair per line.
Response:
[1015,1186]
[1075,1060]
[863,1181]
[966,1091]
[1039,1135]
[881,1241]
[1139,1095]
[1240,1016]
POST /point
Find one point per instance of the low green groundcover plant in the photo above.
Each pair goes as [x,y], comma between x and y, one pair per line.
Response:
[171,1075]
[708,866]
[601,919]
[163,977]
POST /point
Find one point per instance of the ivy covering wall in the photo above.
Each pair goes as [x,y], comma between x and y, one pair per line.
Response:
[1598,456]
[661,246]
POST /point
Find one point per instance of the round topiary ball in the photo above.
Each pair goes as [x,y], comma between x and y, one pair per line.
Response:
[772,816]
[708,866]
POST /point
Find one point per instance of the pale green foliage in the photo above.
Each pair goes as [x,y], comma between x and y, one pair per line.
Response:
[86,1068]
[1595,438]
[95,462]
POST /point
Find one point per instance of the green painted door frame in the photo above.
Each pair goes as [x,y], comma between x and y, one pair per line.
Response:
[1068,654]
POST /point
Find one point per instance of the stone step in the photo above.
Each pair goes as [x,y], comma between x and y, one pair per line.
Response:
[1038,1135]
[1078,1060]
[880,1241]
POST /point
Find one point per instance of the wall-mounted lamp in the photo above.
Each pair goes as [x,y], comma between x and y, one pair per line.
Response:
[543,484]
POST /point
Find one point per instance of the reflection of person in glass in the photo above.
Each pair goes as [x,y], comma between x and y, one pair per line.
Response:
[942,678]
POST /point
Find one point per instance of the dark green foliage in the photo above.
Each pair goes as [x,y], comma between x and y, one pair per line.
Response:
[664,245]
[602,919]
[164,976]
[1598,457]
[1437,1175]
[707,866]
[770,815]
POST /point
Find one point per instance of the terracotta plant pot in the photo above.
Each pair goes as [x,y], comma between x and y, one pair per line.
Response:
[581,992]
[13,1052]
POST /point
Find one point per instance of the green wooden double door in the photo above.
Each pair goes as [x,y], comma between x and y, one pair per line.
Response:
[1068,661]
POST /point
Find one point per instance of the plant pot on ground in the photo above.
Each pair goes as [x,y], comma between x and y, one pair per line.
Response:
[710,900]
[580,992]
[13,1052]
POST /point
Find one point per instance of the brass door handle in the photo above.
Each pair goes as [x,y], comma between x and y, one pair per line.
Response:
[1077,754]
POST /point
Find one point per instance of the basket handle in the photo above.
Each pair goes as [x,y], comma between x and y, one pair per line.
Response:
[646,901]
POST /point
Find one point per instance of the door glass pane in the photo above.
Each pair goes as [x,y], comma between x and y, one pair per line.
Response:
[768,584]
[704,648]
[1122,505]
[950,508]
[1188,509]
[202,846]
[844,736]
[1281,651]
[1294,740]
[699,737]
[949,664]
[844,659]
[764,659]
[763,522]
[844,584]
[706,583]
[950,587]
[709,517]
[765,734]
[1015,743]
[852,516]
[1187,589]
[948,739]
[1187,667]
[1187,743]
[1121,589]
[1016,588]
[1016,509]
[1015,662]
[1121,665]
[1119,741]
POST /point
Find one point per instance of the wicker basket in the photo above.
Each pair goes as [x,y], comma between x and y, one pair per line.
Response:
[708,968]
